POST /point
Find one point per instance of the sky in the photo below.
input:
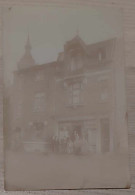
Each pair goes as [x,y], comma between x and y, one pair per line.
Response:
[50,27]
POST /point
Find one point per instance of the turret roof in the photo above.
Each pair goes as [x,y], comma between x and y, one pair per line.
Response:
[27,59]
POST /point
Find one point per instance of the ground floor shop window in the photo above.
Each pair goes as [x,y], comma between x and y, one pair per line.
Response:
[77,137]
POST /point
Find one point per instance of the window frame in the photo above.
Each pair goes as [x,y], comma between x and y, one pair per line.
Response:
[74,93]
[39,99]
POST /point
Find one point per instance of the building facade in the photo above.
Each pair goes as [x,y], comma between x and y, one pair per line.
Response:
[71,100]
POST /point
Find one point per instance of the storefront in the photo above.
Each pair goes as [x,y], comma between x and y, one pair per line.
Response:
[91,135]
[82,133]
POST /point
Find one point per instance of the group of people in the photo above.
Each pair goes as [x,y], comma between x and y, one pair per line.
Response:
[64,142]
[67,145]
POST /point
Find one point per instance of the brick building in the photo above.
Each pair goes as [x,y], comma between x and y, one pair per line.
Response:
[72,96]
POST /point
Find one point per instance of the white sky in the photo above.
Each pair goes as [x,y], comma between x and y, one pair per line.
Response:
[50,27]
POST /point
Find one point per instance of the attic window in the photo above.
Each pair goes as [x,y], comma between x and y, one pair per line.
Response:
[76,62]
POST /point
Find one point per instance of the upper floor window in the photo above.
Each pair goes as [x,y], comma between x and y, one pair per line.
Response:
[101,54]
[39,102]
[104,90]
[75,94]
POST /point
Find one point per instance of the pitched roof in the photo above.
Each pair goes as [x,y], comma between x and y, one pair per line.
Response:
[90,48]
[27,62]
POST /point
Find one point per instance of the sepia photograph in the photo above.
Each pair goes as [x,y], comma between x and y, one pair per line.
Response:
[65,113]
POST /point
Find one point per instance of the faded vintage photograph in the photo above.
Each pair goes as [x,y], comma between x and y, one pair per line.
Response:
[65,120]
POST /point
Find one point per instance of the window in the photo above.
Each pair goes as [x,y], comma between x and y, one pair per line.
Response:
[104,90]
[90,127]
[39,102]
[101,54]
[92,139]
[73,64]
[105,134]
[74,94]
[76,62]
[79,61]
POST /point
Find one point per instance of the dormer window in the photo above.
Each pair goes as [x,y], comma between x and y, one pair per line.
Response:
[73,64]
[79,61]
[76,61]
